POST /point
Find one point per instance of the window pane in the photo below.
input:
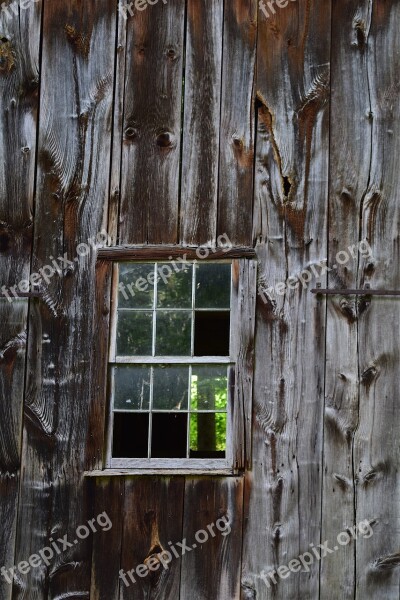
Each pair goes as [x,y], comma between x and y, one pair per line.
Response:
[134,333]
[209,388]
[131,434]
[211,333]
[132,388]
[169,435]
[213,286]
[174,289]
[170,388]
[207,435]
[136,285]
[173,333]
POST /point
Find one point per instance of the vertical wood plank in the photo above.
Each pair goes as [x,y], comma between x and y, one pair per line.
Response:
[152,124]
[376,440]
[201,127]
[73,185]
[244,275]
[211,570]
[236,163]
[282,510]
[106,558]
[19,83]
[153,510]
[349,167]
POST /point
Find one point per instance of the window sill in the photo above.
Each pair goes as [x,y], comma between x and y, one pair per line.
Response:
[144,472]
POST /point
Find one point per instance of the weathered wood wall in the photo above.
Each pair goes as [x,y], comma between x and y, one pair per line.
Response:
[186,121]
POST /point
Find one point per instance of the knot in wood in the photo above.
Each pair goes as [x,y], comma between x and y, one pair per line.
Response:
[165,139]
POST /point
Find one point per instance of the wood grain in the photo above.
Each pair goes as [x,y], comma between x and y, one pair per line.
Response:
[282,508]
[201,126]
[237,131]
[211,571]
[73,176]
[19,83]
[152,124]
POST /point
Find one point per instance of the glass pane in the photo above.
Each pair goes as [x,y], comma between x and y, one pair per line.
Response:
[170,388]
[209,388]
[131,435]
[136,285]
[174,289]
[207,435]
[211,333]
[132,388]
[134,333]
[173,333]
[169,435]
[213,286]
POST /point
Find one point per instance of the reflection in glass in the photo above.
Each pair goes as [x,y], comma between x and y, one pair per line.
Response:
[170,388]
[173,333]
[132,387]
[213,286]
[174,289]
[134,333]
[136,285]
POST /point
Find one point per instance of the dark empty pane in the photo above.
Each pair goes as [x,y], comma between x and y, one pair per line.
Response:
[132,387]
[169,435]
[130,435]
[211,333]
[209,387]
[174,288]
[207,435]
[136,285]
[170,388]
[213,286]
[134,333]
[173,333]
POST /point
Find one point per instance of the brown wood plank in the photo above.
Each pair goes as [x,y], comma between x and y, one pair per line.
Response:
[106,558]
[236,164]
[283,491]
[152,124]
[19,82]
[201,129]
[73,180]
[173,252]
[153,511]
[211,570]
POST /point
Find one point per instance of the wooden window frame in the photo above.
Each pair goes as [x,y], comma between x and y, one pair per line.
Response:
[240,363]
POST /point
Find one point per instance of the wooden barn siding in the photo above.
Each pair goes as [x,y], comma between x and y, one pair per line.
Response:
[159,123]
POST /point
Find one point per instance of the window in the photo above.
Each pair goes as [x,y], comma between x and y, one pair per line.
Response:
[173,366]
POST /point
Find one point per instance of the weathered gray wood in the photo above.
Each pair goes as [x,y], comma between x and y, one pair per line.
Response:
[244,293]
[211,571]
[19,67]
[376,452]
[283,492]
[202,108]
[152,124]
[349,160]
[236,165]
[73,178]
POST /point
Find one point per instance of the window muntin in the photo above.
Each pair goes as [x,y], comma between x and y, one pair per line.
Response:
[170,363]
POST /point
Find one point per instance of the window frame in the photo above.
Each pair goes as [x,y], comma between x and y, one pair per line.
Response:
[240,364]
